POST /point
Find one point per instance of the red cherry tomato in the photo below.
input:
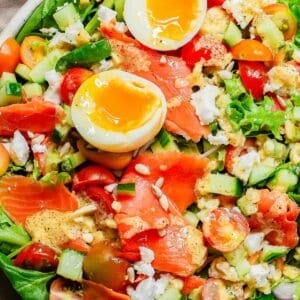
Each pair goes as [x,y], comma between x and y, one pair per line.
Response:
[224,229]
[71,83]
[103,266]
[9,56]
[37,256]
[101,196]
[254,77]
[203,48]
[212,3]
[92,175]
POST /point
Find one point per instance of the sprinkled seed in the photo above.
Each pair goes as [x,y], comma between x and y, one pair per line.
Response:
[163,167]
[163,60]
[65,149]
[110,187]
[116,205]
[142,169]
[164,202]
[87,237]
[157,191]
[131,274]
[162,232]
[160,182]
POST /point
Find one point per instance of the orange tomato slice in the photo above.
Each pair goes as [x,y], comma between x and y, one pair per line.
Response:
[9,56]
[4,160]
[283,18]
[251,50]
[33,50]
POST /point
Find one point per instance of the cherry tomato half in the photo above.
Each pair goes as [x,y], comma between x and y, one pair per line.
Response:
[203,48]
[33,50]
[37,256]
[284,19]
[71,83]
[103,266]
[101,196]
[251,50]
[92,175]
[9,56]
[224,229]
[254,77]
[212,3]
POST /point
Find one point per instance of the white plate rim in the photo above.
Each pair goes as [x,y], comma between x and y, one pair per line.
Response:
[18,20]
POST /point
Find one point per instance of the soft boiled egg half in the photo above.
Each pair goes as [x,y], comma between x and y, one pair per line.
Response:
[164,24]
[117,111]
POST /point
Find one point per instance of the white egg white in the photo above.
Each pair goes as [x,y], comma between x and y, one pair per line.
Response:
[113,141]
[135,15]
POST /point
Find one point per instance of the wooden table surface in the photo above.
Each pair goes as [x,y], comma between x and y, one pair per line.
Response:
[8,9]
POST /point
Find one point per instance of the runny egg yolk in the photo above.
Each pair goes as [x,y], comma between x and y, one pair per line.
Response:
[120,106]
[173,19]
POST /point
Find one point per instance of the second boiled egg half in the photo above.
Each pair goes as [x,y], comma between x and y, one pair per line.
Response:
[117,111]
[164,24]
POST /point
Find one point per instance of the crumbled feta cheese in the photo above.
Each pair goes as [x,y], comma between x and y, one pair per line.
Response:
[225,74]
[148,289]
[50,30]
[147,255]
[121,27]
[242,11]
[243,165]
[204,102]
[259,274]
[254,242]
[105,14]
[219,139]
[19,149]
[54,80]
[70,36]
[104,65]
[36,144]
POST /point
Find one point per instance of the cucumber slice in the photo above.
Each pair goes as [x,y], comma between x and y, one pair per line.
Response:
[23,71]
[269,32]
[7,77]
[170,294]
[33,90]
[72,162]
[48,63]
[270,252]
[283,181]
[126,189]
[260,173]
[70,265]
[66,16]
[221,184]
[165,142]
[10,93]
[232,35]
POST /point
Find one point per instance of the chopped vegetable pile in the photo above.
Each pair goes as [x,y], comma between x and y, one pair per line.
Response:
[150,150]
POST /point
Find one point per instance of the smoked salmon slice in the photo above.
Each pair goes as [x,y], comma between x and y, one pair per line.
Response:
[170,73]
[143,210]
[22,197]
[35,116]
[179,250]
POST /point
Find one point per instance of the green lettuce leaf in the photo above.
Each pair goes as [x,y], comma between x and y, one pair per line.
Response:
[12,236]
[30,285]
[255,118]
